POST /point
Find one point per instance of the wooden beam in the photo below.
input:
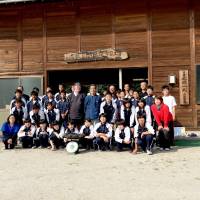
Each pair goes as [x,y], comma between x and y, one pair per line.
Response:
[149,41]
[193,63]
[44,49]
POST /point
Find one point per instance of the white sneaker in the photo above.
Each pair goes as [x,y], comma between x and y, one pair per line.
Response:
[149,152]
[161,149]
[167,149]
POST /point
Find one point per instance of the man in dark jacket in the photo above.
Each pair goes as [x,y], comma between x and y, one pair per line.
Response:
[76,105]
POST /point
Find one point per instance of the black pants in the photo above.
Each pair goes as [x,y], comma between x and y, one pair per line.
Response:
[164,138]
[120,146]
[146,142]
[42,140]
[5,141]
[56,141]
[86,142]
[77,122]
[27,141]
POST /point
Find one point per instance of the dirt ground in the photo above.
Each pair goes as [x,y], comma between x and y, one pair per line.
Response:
[39,174]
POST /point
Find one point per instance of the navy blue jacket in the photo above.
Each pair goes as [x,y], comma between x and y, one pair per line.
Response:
[92,107]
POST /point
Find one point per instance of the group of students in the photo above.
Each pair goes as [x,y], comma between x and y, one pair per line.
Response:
[119,118]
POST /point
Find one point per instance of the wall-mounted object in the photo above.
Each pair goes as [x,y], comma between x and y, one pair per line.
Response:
[184,87]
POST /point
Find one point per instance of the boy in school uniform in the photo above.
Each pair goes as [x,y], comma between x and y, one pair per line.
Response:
[19,111]
[87,134]
[102,133]
[57,96]
[149,98]
[143,135]
[55,138]
[109,108]
[41,139]
[63,106]
[52,114]
[126,90]
[26,134]
[122,136]
[135,99]
[25,96]
[45,97]
[92,105]
[18,95]
[71,132]
[36,115]
[34,101]
[49,99]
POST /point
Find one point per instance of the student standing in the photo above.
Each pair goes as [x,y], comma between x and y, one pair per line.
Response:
[143,87]
[109,108]
[57,96]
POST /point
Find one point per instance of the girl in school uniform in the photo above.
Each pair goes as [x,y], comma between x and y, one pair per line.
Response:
[10,129]
[122,136]
[143,109]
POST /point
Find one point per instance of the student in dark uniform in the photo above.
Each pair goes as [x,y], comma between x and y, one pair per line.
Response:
[143,87]
[26,134]
[63,107]
[10,130]
[149,98]
[50,98]
[19,111]
[102,133]
[36,115]
[41,139]
[143,134]
[54,136]
[57,96]
[109,108]
[135,99]
[52,114]
[34,101]
[122,136]
[25,96]
[87,134]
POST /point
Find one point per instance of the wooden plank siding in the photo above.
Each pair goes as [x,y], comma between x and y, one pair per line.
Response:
[159,34]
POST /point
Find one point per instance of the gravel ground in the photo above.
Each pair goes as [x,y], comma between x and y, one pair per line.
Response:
[41,174]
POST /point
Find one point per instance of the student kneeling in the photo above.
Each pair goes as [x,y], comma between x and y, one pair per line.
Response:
[122,136]
[26,133]
[102,133]
[143,134]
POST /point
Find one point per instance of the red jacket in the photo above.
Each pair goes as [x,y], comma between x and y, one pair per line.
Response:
[162,116]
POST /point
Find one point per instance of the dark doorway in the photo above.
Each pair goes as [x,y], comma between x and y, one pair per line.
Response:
[101,77]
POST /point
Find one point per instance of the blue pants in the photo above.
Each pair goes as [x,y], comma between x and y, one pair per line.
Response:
[100,142]
[146,142]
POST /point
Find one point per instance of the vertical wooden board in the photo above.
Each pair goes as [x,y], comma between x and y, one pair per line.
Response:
[96,29]
[61,36]
[8,41]
[170,37]
[131,35]
[197,34]
[32,34]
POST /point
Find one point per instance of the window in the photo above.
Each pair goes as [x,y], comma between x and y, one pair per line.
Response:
[8,86]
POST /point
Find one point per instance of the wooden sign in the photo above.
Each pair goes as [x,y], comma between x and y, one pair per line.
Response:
[97,55]
[184,87]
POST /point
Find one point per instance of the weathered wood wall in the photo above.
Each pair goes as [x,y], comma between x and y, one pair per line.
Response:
[163,35]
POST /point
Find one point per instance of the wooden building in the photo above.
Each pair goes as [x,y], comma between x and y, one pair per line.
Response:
[161,37]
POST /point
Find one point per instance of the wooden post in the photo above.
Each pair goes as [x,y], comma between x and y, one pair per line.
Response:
[193,64]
